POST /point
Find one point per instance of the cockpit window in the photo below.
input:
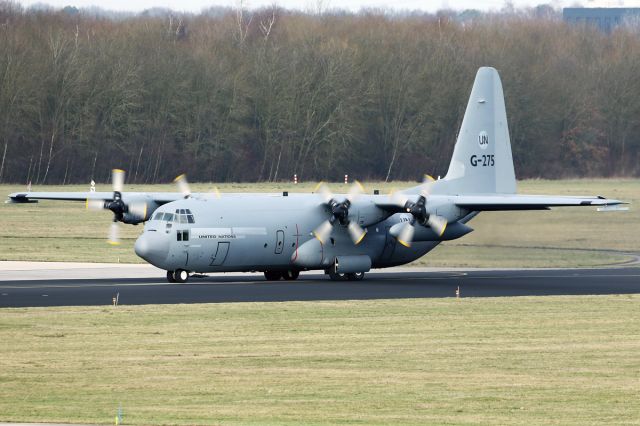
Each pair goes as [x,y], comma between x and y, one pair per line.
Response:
[184,216]
[169,217]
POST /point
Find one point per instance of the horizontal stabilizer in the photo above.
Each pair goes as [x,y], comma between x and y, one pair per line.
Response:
[19,199]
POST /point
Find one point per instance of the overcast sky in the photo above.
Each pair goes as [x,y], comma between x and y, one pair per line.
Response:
[353,5]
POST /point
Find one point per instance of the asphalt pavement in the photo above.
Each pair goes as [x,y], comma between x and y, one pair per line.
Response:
[69,288]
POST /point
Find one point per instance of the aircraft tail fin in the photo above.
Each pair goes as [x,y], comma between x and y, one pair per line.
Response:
[482,162]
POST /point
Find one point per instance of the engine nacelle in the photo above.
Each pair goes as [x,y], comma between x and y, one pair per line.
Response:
[139,209]
[132,219]
[366,213]
[424,233]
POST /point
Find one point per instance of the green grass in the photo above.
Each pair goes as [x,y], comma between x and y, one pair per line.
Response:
[563,237]
[530,360]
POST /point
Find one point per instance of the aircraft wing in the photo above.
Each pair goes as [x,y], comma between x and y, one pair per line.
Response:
[391,205]
[528,202]
[33,197]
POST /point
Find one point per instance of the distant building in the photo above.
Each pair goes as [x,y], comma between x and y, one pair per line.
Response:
[605,19]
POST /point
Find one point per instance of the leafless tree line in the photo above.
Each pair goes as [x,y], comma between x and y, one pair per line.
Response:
[261,95]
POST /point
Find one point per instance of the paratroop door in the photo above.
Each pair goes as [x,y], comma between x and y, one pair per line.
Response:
[279,242]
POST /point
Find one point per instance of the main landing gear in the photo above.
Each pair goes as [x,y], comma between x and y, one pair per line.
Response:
[177,276]
[277,275]
[353,276]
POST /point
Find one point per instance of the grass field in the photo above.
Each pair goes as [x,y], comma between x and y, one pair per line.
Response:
[559,238]
[531,360]
[570,360]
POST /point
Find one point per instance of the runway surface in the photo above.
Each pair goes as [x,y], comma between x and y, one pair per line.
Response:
[142,285]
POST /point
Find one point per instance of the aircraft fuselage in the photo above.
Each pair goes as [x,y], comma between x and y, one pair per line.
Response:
[225,236]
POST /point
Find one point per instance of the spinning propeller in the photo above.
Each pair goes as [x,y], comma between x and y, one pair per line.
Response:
[137,209]
[339,214]
[419,214]
[133,212]
[183,185]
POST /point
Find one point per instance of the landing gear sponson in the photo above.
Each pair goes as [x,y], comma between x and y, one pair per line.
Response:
[182,276]
[293,275]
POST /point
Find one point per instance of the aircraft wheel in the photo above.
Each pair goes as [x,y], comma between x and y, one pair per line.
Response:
[290,275]
[181,276]
[272,275]
[356,276]
[170,277]
[337,277]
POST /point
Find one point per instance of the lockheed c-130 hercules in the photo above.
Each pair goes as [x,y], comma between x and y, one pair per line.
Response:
[343,235]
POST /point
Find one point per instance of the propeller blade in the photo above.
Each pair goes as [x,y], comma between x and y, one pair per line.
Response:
[356,232]
[215,193]
[94,205]
[323,231]
[138,209]
[399,198]
[355,191]
[427,185]
[117,180]
[406,235]
[114,234]
[324,192]
[438,224]
[183,185]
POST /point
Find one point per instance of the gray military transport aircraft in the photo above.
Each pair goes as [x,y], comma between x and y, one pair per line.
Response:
[343,235]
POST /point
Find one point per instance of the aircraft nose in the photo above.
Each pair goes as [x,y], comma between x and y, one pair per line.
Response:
[152,247]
